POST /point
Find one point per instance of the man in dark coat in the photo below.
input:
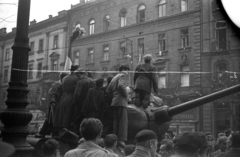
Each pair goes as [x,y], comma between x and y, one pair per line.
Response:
[83,85]
[234,145]
[145,78]
[117,88]
[94,105]
[66,107]
[54,96]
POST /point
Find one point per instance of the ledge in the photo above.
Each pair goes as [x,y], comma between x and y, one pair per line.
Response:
[105,62]
[40,51]
[121,59]
[89,64]
[185,49]
[163,53]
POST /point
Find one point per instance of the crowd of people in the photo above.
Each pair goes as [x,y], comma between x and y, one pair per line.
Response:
[87,119]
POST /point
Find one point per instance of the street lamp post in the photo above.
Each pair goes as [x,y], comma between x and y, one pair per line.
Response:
[16,118]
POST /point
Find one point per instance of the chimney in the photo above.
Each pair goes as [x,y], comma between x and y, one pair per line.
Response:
[49,16]
[3,31]
[63,12]
[33,22]
[14,30]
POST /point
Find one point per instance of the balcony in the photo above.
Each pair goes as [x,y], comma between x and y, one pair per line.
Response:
[222,46]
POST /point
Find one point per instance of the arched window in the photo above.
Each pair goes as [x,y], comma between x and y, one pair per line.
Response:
[106,22]
[123,19]
[91,27]
[76,58]
[221,35]
[141,13]
[162,8]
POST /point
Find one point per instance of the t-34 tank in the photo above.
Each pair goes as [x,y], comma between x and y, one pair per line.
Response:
[157,119]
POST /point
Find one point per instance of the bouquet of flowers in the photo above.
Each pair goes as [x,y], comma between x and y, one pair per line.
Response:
[78,31]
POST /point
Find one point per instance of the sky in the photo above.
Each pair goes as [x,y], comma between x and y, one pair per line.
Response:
[39,10]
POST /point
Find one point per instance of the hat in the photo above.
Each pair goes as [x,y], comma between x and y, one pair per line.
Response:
[79,70]
[68,136]
[73,67]
[222,139]
[6,149]
[145,135]
[99,82]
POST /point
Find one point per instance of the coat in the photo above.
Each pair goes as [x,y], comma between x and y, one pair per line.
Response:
[94,104]
[140,152]
[117,88]
[80,94]
[88,149]
[66,107]
[232,152]
[145,78]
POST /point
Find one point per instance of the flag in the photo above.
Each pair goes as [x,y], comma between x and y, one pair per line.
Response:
[68,62]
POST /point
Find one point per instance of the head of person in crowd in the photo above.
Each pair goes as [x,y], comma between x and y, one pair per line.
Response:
[169,134]
[129,149]
[234,140]
[99,83]
[73,68]
[6,149]
[91,129]
[221,134]
[209,136]
[88,73]
[147,58]
[166,148]
[68,140]
[80,73]
[227,132]
[110,141]
[51,148]
[148,140]
[205,149]
[124,69]
[187,144]
[62,75]
[222,143]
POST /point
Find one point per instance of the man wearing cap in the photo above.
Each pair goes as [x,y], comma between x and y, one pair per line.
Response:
[66,106]
[222,145]
[233,145]
[67,140]
[83,85]
[94,104]
[146,144]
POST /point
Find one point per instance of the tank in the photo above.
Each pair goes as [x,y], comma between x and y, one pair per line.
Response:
[157,119]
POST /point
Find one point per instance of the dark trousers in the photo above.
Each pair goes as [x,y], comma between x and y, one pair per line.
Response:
[120,122]
[144,97]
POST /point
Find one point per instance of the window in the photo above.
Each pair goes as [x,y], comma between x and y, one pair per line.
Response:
[185,76]
[106,22]
[106,53]
[40,48]
[30,71]
[162,78]
[123,49]
[55,42]
[5,77]
[7,54]
[162,8]
[76,58]
[141,13]
[123,19]
[184,5]
[54,65]
[141,46]
[90,55]
[221,35]
[91,27]
[161,44]
[39,68]
[184,38]
[32,48]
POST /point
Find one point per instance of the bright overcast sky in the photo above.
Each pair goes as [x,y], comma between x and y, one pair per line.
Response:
[40,9]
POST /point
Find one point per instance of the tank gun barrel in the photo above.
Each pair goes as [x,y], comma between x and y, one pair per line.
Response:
[202,100]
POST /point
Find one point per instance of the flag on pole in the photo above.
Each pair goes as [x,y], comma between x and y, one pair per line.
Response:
[68,62]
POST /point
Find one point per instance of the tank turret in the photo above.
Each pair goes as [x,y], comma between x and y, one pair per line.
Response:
[157,119]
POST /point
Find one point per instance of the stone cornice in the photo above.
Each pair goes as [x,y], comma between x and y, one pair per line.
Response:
[138,26]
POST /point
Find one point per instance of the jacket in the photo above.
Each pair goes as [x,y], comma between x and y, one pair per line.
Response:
[145,78]
[140,152]
[88,149]
[232,152]
[117,88]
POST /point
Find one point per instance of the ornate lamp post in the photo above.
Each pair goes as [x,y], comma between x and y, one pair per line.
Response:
[16,118]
